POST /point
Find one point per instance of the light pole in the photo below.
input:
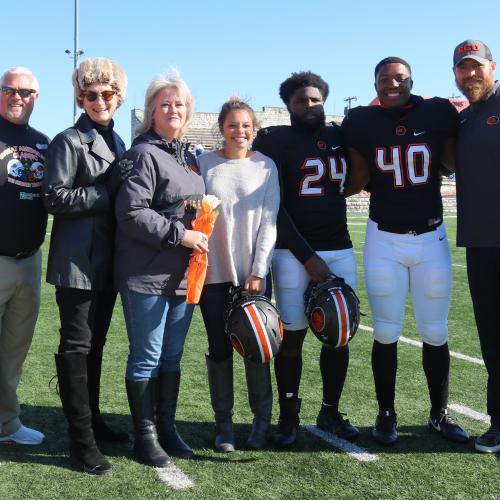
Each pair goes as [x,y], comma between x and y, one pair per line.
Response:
[76,51]
[348,107]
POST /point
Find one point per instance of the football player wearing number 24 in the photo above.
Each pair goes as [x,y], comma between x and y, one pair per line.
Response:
[397,152]
[313,242]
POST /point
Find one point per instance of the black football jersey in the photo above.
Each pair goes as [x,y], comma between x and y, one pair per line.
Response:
[312,169]
[402,148]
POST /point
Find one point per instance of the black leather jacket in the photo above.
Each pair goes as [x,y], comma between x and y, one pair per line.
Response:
[78,164]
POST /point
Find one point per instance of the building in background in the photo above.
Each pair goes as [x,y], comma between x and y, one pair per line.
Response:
[204,130]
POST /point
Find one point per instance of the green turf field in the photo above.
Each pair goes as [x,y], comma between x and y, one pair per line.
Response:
[420,465]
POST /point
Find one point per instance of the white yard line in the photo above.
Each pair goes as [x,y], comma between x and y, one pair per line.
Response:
[173,477]
[351,449]
[417,343]
[469,412]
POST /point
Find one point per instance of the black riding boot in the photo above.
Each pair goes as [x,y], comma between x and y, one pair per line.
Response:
[142,397]
[220,381]
[73,390]
[101,430]
[170,440]
[260,398]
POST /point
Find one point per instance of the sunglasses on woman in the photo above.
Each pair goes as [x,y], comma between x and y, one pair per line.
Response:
[9,91]
[91,96]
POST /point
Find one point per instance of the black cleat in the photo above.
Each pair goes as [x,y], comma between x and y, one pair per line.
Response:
[286,434]
[448,428]
[489,442]
[385,430]
[288,422]
[335,423]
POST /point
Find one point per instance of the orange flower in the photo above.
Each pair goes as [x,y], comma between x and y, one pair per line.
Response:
[198,262]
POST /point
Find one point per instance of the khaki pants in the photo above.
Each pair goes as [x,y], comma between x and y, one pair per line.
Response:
[19,305]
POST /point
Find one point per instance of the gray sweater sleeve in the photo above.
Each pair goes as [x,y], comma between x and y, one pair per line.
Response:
[133,209]
[266,237]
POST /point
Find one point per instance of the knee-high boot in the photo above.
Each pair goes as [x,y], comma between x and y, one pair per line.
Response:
[73,390]
[260,398]
[170,439]
[142,398]
[102,432]
[220,381]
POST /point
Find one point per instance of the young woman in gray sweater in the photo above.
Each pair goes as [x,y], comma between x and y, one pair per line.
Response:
[241,247]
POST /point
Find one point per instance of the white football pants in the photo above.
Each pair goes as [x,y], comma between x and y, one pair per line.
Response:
[397,263]
[291,280]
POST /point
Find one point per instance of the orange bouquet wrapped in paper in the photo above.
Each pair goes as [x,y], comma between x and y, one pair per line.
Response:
[198,262]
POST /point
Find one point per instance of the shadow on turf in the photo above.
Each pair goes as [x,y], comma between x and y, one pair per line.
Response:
[200,435]
[54,450]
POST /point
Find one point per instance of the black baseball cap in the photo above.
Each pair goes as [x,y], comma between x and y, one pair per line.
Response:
[471,49]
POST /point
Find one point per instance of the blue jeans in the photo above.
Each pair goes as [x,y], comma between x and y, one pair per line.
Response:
[157,327]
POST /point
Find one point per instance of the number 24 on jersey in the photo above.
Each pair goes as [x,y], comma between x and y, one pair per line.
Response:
[310,184]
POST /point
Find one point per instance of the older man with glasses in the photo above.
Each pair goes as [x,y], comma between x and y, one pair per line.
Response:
[22,230]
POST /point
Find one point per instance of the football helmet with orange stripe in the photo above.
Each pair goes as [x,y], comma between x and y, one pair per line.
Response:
[332,310]
[253,325]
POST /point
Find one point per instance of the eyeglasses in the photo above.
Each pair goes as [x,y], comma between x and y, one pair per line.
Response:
[91,96]
[9,91]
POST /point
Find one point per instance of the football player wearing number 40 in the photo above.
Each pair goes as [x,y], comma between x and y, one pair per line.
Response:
[397,151]
[313,242]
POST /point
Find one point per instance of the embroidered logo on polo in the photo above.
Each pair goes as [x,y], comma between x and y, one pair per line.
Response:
[493,120]
[24,166]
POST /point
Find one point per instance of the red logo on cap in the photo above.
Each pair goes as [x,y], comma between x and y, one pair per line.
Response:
[493,120]
[400,130]
[468,47]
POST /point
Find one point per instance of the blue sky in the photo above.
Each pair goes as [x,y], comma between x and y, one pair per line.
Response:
[239,47]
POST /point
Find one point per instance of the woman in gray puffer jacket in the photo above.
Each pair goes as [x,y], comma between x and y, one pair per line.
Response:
[155,208]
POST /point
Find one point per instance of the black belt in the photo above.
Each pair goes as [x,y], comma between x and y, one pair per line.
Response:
[20,255]
[413,231]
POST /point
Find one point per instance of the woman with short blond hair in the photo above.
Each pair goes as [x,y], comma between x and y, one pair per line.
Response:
[155,209]
[82,176]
